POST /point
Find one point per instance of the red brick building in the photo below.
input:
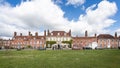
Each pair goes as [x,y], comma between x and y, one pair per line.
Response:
[108,41]
[29,40]
[36,41]
[81,42]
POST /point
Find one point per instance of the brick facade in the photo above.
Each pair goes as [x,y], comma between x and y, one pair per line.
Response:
[36,41]
[24,41]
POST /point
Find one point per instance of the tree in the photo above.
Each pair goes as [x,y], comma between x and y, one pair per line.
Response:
[68,42]
[50,43]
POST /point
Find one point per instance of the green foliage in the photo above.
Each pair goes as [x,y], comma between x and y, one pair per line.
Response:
[50,43]
[68,42]
[60,59]
[29,46]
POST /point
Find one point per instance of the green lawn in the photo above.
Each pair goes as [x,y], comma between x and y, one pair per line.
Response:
[60,59]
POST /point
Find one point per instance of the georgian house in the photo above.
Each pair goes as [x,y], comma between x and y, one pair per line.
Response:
[29,40]
[59,37]
[107,41]
[81,42]
[62,38]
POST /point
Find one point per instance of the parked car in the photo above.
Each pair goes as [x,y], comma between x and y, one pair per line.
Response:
[76,47]
[0,48]
[18,48]
[99,48]
[118,47]
[87,47]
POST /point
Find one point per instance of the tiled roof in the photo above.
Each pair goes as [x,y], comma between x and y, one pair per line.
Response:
[105,36]
[83,37]
[29,37]
[59,33]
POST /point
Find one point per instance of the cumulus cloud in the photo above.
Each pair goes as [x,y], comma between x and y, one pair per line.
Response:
[75,2]
[38,15]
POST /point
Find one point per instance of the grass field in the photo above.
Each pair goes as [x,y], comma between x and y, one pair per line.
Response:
[60,59]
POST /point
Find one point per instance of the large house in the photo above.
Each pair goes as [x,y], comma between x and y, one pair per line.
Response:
[64,39]
[29,40]
[108,41]
[59,38]
[80,42]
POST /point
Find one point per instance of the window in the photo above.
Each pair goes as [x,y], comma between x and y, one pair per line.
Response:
[42,38]
[24,38]
[48,39]
[37,42]
[52,38]
[40,42]
[34,38]
[58,33]
[65,34]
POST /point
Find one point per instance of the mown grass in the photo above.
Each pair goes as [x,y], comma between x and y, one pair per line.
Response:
[60,59]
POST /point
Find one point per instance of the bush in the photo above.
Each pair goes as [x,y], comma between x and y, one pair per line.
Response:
[29,46]
[50,42]
[68,42]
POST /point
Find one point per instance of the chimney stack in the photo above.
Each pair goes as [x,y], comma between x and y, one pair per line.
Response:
[45,33]
[70,32]
[36,34]
[20,34]
[15,34]
[29,33]
[95,35]
[115,34]
[86,33]
[48,32]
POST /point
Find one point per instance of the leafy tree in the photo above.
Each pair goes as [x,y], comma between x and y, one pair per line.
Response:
[68,42]
[50,43]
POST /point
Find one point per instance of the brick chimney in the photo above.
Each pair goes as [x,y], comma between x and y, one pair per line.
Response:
[29,33]
[95,35]
[20,34]
[36,34]
[48,33]
[86,33]
[70,32]
[45,33]
[115,34]
[15,34]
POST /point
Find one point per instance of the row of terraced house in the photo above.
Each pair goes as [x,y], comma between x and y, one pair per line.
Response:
[64,39]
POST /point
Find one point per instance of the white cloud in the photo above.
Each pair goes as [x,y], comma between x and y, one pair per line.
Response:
[37,15]
[75,2]
[58,1]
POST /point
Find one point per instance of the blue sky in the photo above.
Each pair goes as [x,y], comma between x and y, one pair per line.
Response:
[67,11]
